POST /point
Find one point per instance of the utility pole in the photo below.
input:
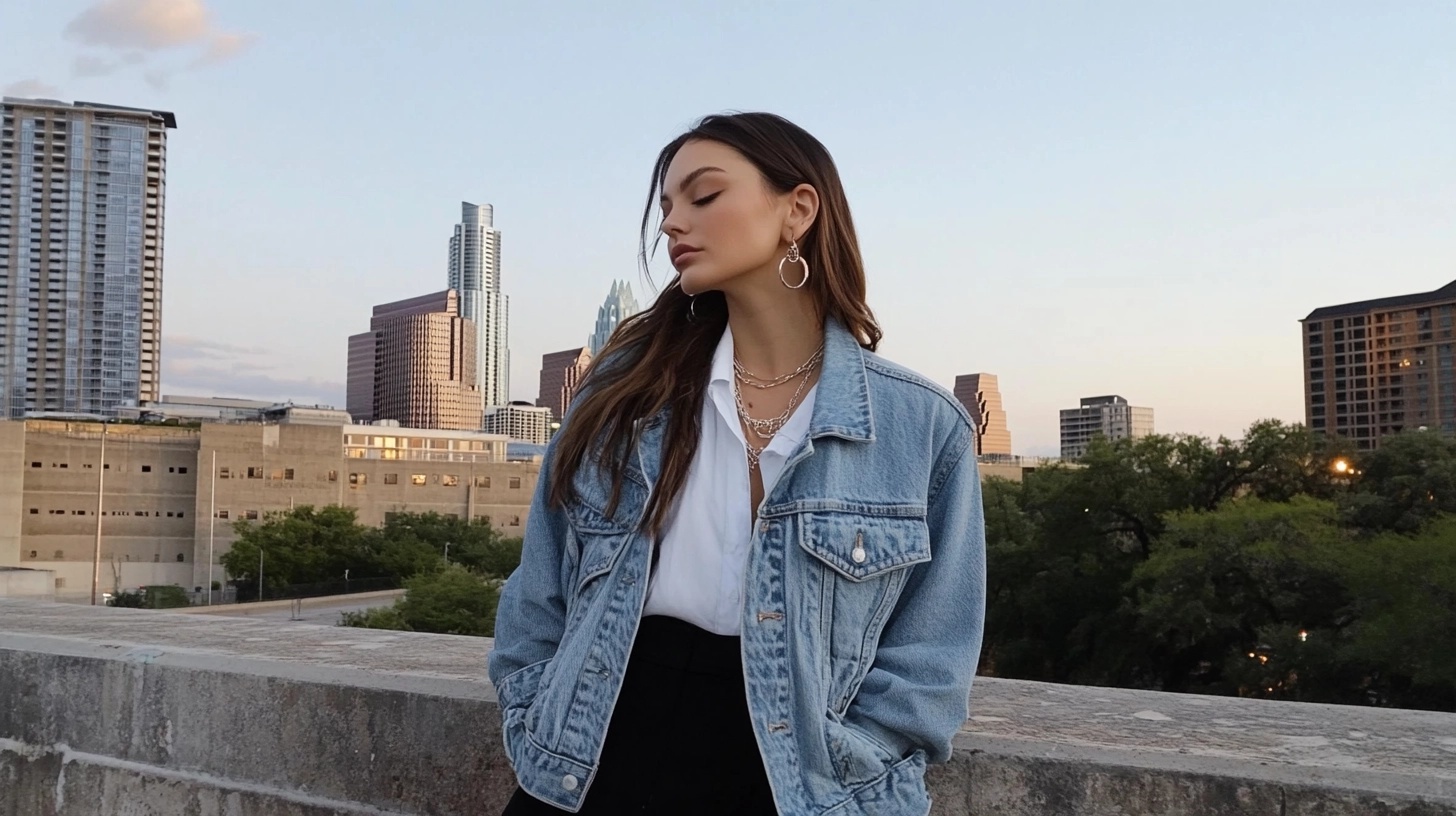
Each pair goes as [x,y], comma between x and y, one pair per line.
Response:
[211,526]
[100,506]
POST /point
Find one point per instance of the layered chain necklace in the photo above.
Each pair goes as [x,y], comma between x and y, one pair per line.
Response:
[762,431]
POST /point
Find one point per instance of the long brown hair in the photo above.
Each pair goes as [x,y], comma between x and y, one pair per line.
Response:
[659,359]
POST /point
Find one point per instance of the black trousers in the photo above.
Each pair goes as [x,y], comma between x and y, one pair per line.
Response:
[680,741]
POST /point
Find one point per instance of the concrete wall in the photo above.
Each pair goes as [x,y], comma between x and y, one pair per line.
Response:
[105,712]
[27,583]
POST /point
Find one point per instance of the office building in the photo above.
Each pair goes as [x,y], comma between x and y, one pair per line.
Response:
[159,511]
[981,396]
[82,211]
[561,375]
[521,421]
[1379,367]
[619,305]
[416,366]
[475,272]
[1110,417]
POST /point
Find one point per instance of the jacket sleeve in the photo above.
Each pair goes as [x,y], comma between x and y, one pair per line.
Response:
[917,691]
[531,614]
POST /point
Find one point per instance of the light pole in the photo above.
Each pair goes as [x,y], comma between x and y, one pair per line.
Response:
[211,525]
[447,552]
[100,506]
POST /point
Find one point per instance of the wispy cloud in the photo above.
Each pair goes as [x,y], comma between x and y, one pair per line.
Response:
[195,367]
[30,87]
[149,25]
[133,29]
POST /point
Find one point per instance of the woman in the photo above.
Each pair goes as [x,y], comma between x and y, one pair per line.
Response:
[753,575]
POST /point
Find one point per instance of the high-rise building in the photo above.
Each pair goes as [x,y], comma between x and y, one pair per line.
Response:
[982,398]
[475,273]
[519,420]
[1379,367]
[416,366]
[82,208]
[1110,417]
[619,305]
[561,374]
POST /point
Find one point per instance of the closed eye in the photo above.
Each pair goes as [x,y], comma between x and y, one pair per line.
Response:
[707,199]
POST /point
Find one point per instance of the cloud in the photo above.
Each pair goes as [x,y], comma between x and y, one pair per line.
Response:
[195,348]
[196,367]
[224,47]
[136,27]
[146,24]
[30,88]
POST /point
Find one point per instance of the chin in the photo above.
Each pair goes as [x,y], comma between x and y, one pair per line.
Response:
[698,278]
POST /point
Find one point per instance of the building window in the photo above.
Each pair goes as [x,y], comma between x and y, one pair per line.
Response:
[60,555]
[515,521]
[483,519]
[145,468]
[358,479]
[450,480]
[223,473]
[482,481]
[35,464]
[181,470]
[180,558]
[35,511]
[391,478]
[32,555]
[417,479]
[255,473]
[288,474]
[222,514]
[515,483]
[250,515]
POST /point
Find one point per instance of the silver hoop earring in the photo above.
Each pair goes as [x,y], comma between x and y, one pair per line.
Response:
[692,308]
[793,257]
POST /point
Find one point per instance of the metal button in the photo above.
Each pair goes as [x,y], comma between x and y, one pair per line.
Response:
[763,528]
[858,554]
[569,782]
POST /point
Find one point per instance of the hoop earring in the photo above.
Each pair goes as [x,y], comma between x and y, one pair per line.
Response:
[692,308]
[793,257]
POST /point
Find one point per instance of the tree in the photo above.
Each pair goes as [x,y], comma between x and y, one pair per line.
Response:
[303,546]
[453,601]
[1218,578]
[417,538]
[1404,483]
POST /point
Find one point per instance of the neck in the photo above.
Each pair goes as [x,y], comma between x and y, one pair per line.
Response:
[774,330]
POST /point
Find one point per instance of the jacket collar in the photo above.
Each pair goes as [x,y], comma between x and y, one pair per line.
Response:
[841,406]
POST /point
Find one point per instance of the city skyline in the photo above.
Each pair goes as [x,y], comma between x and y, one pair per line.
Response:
[1143,210]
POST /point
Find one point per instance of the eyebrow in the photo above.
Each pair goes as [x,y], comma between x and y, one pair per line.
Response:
[692,177]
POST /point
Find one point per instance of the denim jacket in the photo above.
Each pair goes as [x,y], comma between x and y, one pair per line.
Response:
[864,599]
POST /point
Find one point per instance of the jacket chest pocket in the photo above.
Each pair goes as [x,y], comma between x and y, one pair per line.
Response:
[862,561]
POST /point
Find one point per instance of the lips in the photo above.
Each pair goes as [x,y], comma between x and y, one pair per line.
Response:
[681,252]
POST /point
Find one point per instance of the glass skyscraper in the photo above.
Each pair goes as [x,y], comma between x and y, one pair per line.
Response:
[82,203]
[475,274]
[619,305]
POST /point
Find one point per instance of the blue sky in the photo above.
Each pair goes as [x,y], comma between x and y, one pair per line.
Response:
[1138,198]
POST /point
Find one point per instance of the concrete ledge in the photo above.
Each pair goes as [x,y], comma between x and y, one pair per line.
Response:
[119,711]
[243,610]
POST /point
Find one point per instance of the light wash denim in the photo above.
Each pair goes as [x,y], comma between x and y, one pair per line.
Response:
[864,600]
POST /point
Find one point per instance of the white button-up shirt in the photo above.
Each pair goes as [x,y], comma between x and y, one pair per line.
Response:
[704,548]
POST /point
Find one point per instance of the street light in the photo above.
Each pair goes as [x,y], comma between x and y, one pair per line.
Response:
[1341,466]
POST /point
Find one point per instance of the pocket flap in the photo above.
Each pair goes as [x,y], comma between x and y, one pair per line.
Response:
[861,546]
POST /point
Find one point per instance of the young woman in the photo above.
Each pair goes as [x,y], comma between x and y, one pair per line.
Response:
[753,575]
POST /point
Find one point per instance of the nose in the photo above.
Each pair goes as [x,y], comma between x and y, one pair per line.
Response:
[672,224]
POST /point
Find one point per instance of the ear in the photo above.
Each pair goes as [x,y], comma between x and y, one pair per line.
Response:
[803,209]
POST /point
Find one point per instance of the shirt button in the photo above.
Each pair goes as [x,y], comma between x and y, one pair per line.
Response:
[568,782]
[762,528]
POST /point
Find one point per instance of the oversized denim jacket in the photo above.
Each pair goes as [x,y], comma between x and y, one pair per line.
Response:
[863,602]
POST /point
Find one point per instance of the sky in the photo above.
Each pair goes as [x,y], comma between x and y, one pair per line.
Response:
[1134,198]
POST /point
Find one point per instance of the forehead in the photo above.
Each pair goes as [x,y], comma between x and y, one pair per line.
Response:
[702,153]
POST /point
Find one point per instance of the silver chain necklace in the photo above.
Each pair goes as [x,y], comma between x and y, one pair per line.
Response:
[755,381]
[764,429]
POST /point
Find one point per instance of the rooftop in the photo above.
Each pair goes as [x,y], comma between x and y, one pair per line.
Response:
[1447,292]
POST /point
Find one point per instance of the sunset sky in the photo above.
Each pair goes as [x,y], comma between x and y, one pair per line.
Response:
[1139,198]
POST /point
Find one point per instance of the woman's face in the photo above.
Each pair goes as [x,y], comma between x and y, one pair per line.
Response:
[725,227]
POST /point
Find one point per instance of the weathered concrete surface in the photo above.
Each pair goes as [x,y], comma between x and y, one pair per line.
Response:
[125,712]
